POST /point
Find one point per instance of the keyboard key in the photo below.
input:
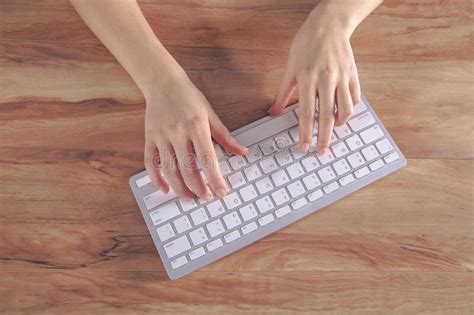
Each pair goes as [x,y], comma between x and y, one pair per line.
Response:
[143,181]
[370,153]
[326,158]
[248,212]
[283,140]
[165,232]
[371,134]
[295,134]
[346,180]
[296,189]
[296,152]
[198,236]
[215,228]
[157,198]
[361,172]
[299,203]
[391,157]
[237,162]
[342,131]
[268,147]
[187,205]
[196,253]
[280,196]
[283,157]
[264,204]
[225,168]
[252,172]
[177,246]
[354,142]
[280,178]
[310,163]
[326,174]
[267,129]
[232,201]
[341,167]
[311,181]
[179,262]
[355,160]
[266,219]
[384,146]
[340,149]
[248,193]
[232,236]
[182,224]
[362,121]
[215,208]
[331,187]
[204,177]
[264,185]
[295,170]
[164,213]
[246,229]
[199,216]
[236,180]
[313,144]
[219,152]
[281,212]
[359,108]
[376,165]
[215,244]
[268,165]
[232,220]
[315,195]
[254,154]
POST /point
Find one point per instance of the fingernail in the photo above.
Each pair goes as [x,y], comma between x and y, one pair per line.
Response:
[208,197]
[322,151]
[305,147]
[221,192]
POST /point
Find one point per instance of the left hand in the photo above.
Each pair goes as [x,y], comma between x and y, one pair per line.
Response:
[321,64]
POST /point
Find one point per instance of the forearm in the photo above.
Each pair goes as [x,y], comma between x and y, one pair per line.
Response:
[123,29]
[345,15]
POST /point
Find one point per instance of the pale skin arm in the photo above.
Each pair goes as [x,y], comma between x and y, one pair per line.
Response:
[321,65]
[179,122]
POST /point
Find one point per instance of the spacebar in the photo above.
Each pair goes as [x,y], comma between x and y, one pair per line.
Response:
[267,129]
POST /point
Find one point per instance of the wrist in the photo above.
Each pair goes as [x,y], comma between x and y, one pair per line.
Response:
[333,16]
[161,80]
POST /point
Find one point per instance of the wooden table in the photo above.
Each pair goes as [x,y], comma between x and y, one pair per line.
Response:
[71,133]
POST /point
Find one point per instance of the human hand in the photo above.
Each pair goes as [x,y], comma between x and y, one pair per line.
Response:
[321,65]
[179,123]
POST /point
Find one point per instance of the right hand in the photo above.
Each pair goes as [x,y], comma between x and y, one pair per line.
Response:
[179,123]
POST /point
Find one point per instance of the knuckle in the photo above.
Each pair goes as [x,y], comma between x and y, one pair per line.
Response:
[194,122]
[329,73]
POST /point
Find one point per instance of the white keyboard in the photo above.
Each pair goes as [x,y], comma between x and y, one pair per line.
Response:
[274,185]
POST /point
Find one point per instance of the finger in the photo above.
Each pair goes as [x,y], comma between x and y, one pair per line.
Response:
[152,166]
[171,172]
[354,87]
[223,136]
[189,170]
[326,115]
[344,104]
[207,158]
[307,100]
[286,90]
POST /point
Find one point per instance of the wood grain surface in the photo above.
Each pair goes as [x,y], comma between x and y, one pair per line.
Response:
[71,134]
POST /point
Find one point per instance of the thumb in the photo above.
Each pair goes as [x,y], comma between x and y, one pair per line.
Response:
[287,88]
[223,136]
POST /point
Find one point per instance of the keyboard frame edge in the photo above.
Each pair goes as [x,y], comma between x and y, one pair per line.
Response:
[278,224]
